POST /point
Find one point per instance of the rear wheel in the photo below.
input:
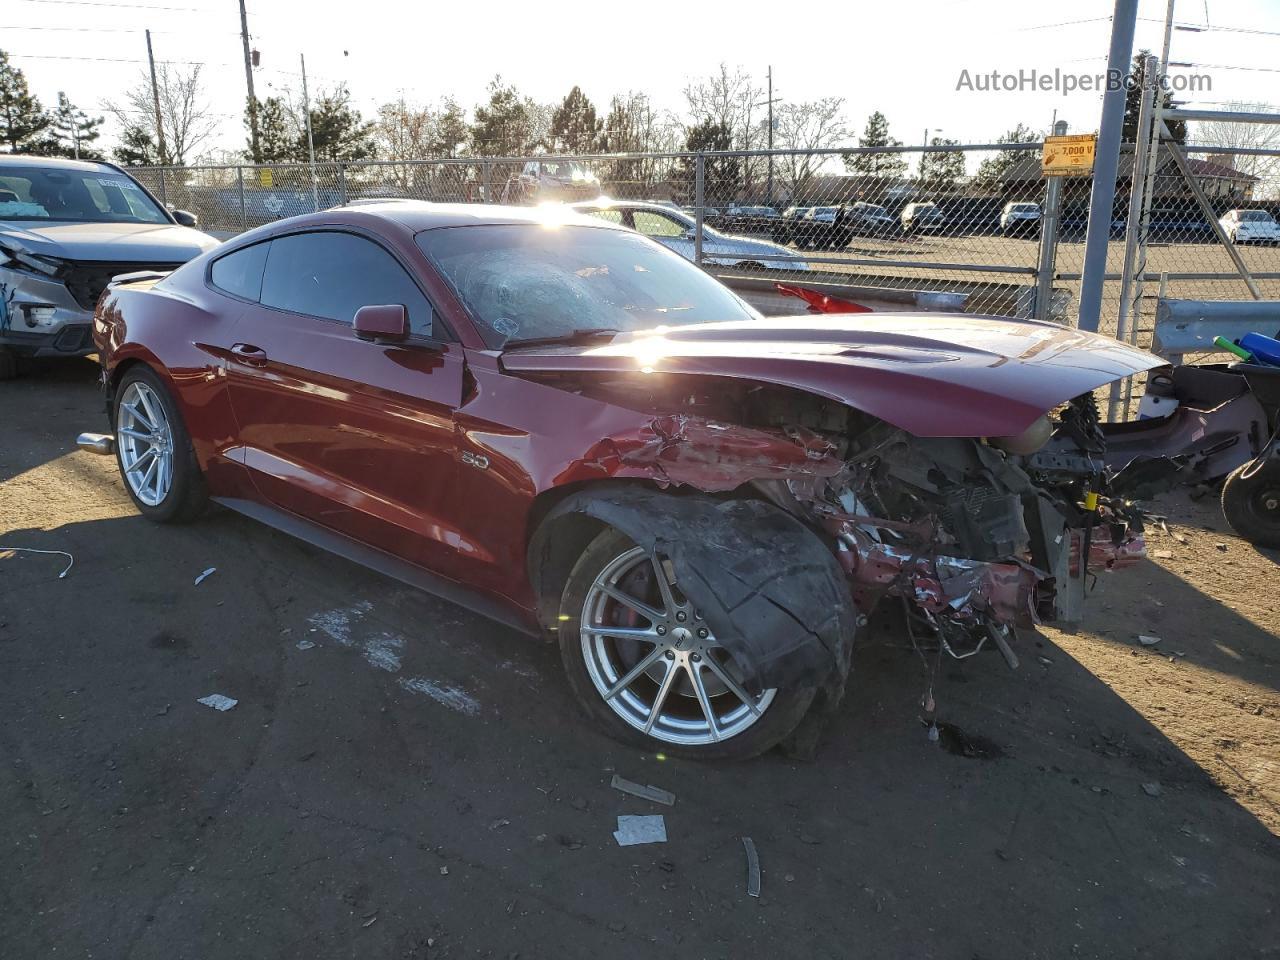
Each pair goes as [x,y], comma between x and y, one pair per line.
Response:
[642,662]
[154,452]
[8,364]
[1251,502]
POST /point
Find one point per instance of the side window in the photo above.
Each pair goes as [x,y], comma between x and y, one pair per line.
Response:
[611,215]
[656,225]
[332,275]
[239,273]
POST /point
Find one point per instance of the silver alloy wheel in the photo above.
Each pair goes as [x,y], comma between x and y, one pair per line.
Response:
[661,669]
[145,441]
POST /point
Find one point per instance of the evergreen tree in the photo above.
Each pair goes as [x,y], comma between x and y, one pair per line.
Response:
[993,169]
[505,125]
[1133,103]
[277,133]
[574,126]
[137,147]
[875,135]
[338,130]
[72,132]
[722,175]
[939,170]
[23,123]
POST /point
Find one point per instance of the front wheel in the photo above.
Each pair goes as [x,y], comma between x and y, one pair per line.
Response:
[645,665]
[1251,502]
[154,452]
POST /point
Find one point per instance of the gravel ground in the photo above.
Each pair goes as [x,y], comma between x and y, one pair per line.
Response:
[401,779]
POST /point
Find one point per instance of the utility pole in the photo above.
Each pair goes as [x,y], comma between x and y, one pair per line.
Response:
[155,96]
[248,79]
[770,102]
[311,141]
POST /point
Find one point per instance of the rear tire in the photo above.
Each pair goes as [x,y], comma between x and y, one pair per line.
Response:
[1251,502]
[595,661]
[8,364]
[183,497]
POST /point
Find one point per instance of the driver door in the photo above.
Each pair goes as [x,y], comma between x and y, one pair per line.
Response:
[353,435]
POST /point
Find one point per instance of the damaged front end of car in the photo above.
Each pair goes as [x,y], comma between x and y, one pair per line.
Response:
[976,535]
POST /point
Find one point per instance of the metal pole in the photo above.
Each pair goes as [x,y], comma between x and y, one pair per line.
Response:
[244,211]
[155,96]
[164,193]
[769,201]
[311,142]
[1133,234]
[1049,236]
[248,79]
[342,184]
[699,205]
[1107,161]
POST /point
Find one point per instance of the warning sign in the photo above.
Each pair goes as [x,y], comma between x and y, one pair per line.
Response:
[267,179]
[1070,156]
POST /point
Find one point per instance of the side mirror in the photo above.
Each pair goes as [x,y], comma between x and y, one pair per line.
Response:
[386,323]
[186,218]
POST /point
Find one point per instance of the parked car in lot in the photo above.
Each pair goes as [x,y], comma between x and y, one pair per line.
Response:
[543,181]
[1020,217]
[676,230]
[559,423]
[835,227]
[750,219]
[923,217]
[66,228]
[1250,226]
[784,225]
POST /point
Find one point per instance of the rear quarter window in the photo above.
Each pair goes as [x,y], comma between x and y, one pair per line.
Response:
[239,273]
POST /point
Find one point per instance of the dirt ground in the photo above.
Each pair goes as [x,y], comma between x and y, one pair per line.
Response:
[401,779]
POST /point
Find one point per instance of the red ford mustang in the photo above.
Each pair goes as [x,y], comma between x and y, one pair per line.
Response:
[561,424]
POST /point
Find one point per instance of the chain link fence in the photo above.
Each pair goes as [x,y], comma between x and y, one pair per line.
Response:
[966,221]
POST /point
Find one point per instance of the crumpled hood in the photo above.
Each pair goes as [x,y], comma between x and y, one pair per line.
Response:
[124,242]
[932,374]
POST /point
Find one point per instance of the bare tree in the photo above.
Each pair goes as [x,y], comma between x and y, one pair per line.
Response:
[805,127]
[731,101]
[185,116]
[1247,136]
[407,132]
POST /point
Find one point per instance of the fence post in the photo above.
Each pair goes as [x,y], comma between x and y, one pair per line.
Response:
[164,193]
[244,213]
[699,204]
[1049,237]
[342,184]
[1134,258]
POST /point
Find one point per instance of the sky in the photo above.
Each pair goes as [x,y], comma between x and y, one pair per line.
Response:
[903,59]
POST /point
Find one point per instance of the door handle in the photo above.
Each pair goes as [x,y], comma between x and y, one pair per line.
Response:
[248,353]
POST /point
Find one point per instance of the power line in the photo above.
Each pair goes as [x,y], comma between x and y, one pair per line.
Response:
[55,56]
[102,3]
[203,33]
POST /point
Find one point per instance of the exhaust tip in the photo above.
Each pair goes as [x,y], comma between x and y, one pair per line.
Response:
[100,443]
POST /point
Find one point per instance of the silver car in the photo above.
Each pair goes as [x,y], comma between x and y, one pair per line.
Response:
[66,228]
[676,230]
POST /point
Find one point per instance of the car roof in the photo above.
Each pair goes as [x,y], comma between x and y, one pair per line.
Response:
[606,202]
[23,160]
[423,215]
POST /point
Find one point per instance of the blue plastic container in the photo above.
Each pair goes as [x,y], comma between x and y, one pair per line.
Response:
[1264,349]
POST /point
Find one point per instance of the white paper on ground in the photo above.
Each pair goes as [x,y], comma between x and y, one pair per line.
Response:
[218,702]
[634,830]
